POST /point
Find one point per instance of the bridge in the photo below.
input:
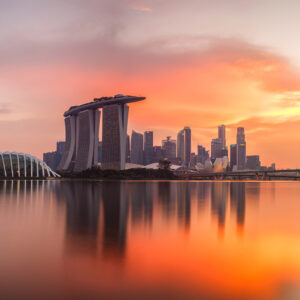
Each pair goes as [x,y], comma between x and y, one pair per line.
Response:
[242,175]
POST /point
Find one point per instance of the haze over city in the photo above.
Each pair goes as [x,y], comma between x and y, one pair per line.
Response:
[198,66]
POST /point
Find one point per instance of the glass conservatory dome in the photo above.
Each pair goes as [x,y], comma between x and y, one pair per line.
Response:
[21,165]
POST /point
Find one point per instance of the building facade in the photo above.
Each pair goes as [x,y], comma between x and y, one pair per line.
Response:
[222,135]
[136,154]
[216,148]
[169,148]
[253,162]
[187,145]
[148,147]
[233,156]
[180,146]
[115,119]
[241,148]
[202,154]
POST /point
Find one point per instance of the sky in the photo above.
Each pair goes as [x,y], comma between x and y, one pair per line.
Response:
[199,63]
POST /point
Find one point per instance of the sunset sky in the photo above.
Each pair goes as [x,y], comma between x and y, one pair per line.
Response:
[199,63]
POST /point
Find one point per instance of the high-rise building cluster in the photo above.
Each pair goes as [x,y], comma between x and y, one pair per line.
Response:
[140,150]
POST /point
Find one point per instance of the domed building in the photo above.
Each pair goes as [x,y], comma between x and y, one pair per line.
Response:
[21,165]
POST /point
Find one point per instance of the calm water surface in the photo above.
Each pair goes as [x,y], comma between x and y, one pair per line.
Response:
[149,240]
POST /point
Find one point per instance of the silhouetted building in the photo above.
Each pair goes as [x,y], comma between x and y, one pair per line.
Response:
[216,148]
[241,148]
[202,155]
[180,146]
[82,133]
[158,153]
[222,135]
[233,156]
[127,149]
[193,160]
[136,156]
[253,162]
[169,147]
[187,145]
[148,147]
[52,159]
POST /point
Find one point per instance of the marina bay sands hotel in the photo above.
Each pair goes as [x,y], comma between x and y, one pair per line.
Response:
[82,134]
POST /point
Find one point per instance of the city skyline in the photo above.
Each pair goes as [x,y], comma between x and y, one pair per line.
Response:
[239,68]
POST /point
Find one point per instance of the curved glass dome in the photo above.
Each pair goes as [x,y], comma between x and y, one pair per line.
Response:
[21,165]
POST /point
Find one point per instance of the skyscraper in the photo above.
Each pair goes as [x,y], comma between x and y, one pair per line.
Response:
[233,156]
[115,118]
[169,147]
[187,145]
[136,156]
[180,146]
[222,135]
[216,148]
[127,149]
[241,148]
[148,147]
[202,155]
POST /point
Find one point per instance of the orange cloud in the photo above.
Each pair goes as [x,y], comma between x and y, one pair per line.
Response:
[227,82]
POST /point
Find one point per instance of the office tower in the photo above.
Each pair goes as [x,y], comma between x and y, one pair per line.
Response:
[136,156]
[187,145]
[222,135]
[157,153]
[241,148]
[180,146]
[128,149]
[252,162]
[202,155]
[169,147]
[148,147]
[216,148]
[233,156]
[82,134]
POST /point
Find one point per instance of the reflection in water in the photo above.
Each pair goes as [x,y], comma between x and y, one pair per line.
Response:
[142,227]
[237,201]
[219,194]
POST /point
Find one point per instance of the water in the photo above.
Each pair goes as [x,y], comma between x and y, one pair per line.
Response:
[149,240]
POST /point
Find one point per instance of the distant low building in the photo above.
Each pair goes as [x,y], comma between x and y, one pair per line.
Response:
[169,148]
[252,162]
[52,159]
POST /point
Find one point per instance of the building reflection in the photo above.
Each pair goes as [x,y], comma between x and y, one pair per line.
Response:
[184,191]
[238,202]
[115,209]
[219,196]
[97,213]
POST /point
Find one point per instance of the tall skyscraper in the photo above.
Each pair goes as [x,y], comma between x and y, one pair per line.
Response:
[241,148]
[136,156]
[82,134]
[115,119]
[127,149]
[233,156]
[180,146]
[216,148]
[222,135]
[187,145]
[169,147]
[148,147]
